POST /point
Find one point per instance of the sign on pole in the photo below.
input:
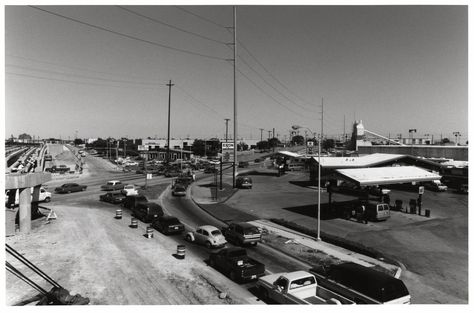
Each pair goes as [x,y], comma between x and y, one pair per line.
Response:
[228,152]
[421,190]
[310,143]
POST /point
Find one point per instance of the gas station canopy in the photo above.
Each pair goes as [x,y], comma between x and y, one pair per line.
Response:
[387,175]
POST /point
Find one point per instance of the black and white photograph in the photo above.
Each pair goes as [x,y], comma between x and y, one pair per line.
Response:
[235,153]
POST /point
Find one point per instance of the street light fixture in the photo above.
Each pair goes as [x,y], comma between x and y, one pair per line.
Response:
[411,131]
[296,127]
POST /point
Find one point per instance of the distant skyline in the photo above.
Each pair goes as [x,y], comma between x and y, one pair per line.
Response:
[102,71]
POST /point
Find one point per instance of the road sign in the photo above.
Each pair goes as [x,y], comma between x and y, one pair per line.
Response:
[310,143]
[228,152]
[227,146]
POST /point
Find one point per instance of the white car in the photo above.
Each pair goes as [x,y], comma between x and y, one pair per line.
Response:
[207,235]
[130,190]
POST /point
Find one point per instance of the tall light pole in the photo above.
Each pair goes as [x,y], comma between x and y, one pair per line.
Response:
[169,118]
[411,131]
[296,127]
[226,127]
[235,96]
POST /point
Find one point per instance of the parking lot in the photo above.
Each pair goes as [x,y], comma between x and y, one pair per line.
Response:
[433,251]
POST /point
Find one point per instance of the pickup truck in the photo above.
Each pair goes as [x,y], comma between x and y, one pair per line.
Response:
[242,233]
[112,185]
[362,284]
[235,263]
[298,287]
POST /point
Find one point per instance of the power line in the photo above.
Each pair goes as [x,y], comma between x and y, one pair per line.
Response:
[271,75]
[171,26]
[129,36]
[82,76]
[268,95]
[201,17]
[70,67]
[75,82]
[266,82]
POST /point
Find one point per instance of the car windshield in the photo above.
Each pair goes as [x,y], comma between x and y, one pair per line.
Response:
[110,183]
[216,232]
[172,220]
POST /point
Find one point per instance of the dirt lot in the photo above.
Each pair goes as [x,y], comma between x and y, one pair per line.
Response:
[104,263]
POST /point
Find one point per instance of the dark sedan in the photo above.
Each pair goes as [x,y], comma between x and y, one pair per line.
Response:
[112,197]
[68,188]
[168,225]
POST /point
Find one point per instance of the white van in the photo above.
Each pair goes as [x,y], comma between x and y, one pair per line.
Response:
[44,196]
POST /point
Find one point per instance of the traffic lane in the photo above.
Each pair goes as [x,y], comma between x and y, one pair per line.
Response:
[188,212]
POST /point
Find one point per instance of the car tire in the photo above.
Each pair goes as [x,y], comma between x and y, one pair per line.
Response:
[188,238]
[48,199]
[69,191]
[84,189]
[208,244]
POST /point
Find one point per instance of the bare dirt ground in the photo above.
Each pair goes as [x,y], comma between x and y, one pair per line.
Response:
[88,251]
[113,264]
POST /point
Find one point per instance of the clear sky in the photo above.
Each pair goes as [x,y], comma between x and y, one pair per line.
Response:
[102,71]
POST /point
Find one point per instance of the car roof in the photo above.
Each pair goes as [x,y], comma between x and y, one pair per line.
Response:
[113,181]
[243,224]
[209,228]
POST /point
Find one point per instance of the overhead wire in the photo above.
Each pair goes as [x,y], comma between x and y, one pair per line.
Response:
[70,67]
[171,26]
[271,75]
[129,36]
[81,76]
[76,82]
[201,17]
[268,95]
[266,82]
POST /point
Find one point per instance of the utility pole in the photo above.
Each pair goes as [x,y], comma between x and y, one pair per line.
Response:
[226,127]
[319,173]
[261,134]
[169,115]
[269,132]
[235,96]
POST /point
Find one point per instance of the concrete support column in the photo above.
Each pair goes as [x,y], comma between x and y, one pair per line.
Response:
[35,194]
[25,210]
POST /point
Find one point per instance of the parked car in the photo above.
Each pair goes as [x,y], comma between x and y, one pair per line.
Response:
[235,263]
[243,182]
[147,212]
[242,233]
[207,235]
[362,284]
[168,225]
[71,187]
[112,185]
[129,190]
[179,190]
[130,202]
[112,197]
